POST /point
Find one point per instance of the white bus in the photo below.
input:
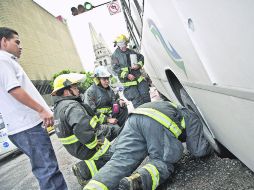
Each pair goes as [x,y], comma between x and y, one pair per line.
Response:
[199,54]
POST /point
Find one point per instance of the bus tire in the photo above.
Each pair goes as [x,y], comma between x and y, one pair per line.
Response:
[220,150]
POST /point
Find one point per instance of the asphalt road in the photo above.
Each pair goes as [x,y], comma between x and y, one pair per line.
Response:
[212,173]
[15,170]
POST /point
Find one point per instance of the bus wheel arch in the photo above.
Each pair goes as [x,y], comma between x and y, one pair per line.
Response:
[186,101]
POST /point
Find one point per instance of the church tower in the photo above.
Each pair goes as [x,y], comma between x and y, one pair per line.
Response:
[102,53]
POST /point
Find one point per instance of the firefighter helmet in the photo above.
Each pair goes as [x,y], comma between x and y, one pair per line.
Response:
[121,38]
[101,71]
[66,80]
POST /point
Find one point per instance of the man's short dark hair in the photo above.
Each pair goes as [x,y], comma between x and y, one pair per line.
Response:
[7,32]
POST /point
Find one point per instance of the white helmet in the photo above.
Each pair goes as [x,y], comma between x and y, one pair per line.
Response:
[101,71]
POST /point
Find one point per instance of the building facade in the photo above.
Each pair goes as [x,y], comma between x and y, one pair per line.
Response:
[47,44]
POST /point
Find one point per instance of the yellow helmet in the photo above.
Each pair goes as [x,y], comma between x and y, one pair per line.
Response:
[121,38]
[66,80]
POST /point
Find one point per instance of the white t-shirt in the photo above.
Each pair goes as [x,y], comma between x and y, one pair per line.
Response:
[16,115]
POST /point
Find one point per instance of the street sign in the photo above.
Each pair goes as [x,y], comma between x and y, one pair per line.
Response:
[114,8]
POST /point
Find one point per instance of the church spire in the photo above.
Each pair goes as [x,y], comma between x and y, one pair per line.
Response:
[101,51]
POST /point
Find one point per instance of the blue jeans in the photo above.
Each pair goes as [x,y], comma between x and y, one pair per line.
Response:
[36,144]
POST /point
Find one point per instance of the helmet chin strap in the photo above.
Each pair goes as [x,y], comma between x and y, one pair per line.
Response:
[71,92]
[122,44]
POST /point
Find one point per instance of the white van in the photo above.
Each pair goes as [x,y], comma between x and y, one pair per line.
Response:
[6,146]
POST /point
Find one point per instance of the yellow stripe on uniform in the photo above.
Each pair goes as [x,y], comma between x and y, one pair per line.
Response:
[92,167]
[93,121]
[104,110]
[69,140]
[124,72]
[154,174]
[102,118]
[161,118]
[95,185]
[92,144]
[173,104]
[140,79]
[132,83]
[140,63]
[102,150]
[183,123]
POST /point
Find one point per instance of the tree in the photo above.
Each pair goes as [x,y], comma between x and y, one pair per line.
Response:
[88,81]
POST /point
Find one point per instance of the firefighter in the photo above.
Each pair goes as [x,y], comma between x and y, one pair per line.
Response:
[78,129]
[101,98]
[156,130]
[127,64]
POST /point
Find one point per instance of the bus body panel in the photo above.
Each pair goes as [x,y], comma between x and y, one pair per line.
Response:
[222,34]
[208,46]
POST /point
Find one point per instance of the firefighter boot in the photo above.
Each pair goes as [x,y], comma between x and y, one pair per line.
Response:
[81,179]
[133,182]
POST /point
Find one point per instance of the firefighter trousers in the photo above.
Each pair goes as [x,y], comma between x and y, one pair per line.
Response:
[143,136]
[138,94]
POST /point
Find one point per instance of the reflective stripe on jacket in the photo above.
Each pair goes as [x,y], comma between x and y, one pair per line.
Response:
[124,72]
[154,173]
[93,184]
[166,114]
[122,65]
[134,82]
[106,110]
[101,101]
[76,127]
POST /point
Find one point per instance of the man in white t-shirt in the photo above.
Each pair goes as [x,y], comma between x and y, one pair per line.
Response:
[26,114]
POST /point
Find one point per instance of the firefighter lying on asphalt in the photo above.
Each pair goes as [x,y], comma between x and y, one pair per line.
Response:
[78,128]
[156,130]
[101,98]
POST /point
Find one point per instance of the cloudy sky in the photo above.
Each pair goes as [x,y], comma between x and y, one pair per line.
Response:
[108,25]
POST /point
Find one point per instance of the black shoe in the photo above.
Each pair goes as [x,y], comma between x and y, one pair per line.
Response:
[77,173]
[132,182]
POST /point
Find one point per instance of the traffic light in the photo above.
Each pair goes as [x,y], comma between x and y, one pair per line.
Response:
[81,8]
[74,11]
[88,6]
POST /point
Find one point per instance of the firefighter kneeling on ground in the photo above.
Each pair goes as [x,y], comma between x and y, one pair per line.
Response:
[78,128]
[103,100]
[156,130]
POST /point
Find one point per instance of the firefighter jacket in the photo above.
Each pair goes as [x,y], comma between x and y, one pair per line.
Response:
[77,128]
[166,113]
[101,100]
[122,66]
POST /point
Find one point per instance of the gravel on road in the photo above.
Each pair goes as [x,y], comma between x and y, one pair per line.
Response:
[210,173]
